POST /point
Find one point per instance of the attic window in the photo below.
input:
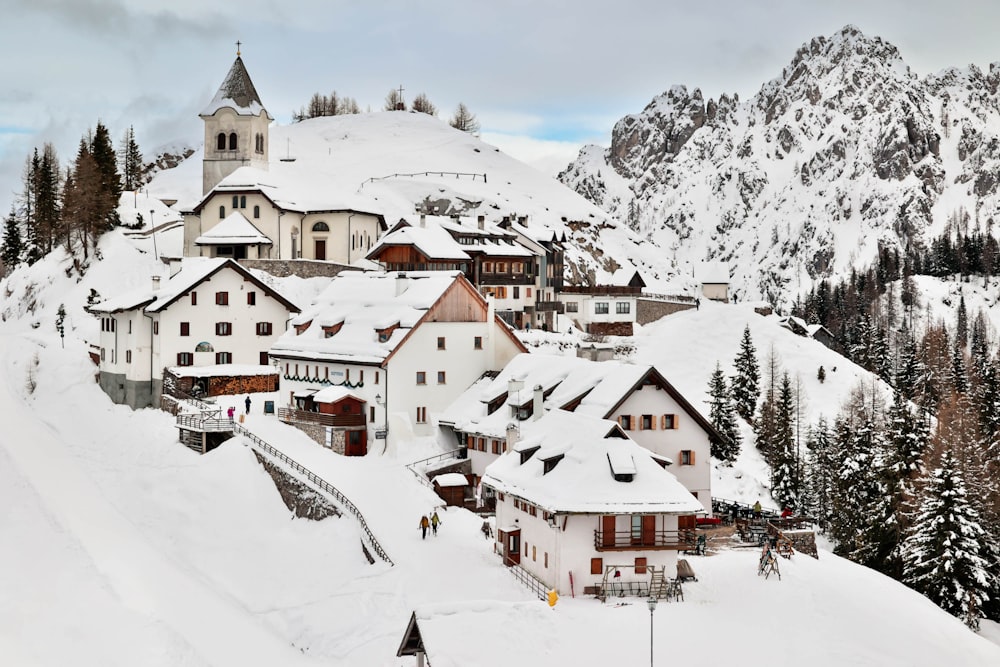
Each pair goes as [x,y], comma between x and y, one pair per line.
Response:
[527,453]
[496,403]
[299,328]
[622,466]
[386,332]
[550,463]
[332,330]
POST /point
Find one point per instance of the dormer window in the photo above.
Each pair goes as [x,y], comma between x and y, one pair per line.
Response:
[330,331]
[622,466]
[386,332]
[527,453]
[550,463]
[299,328]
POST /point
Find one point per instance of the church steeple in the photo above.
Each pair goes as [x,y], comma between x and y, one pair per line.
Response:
[236,127]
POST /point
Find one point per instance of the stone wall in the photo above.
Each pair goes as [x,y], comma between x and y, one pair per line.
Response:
[650,310]
[610,329]
[318,433]
[304,268]
[304,501]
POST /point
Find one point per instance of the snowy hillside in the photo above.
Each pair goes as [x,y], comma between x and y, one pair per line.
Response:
[847,149]
[129,549]
[390,162]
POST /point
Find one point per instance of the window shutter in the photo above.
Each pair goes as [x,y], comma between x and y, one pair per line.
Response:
[621,420]
[641,425]
[652,423]
[663,421]
[692,457]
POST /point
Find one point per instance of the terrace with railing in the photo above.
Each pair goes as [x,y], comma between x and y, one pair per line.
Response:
[650,540]
[292,416]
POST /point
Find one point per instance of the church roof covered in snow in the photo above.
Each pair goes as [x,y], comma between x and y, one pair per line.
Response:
[237,93]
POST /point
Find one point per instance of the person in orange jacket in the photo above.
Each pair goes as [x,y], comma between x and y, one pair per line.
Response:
[424,525]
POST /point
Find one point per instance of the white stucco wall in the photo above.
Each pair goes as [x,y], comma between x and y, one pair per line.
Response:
[688,435]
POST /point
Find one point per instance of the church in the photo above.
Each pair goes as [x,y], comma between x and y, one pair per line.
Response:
[255,207]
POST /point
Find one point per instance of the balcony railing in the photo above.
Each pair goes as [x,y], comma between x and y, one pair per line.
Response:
[291,416]
[626,540]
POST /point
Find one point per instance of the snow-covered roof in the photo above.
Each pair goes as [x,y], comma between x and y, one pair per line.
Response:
[237,92]
[236,229]
[584,479]
[597,386]
[334,395]
[451,479]
[432,241]
[193,271]
[365,303]
[223,370]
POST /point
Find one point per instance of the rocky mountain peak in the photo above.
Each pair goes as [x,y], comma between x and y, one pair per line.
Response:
[844,152]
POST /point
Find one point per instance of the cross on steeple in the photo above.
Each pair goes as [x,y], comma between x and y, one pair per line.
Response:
[238,43]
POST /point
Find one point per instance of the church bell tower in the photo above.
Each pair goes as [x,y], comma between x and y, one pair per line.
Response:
[236,124]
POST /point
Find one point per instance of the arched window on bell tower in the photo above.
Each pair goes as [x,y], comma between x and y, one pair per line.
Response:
[232,141]
[220,141]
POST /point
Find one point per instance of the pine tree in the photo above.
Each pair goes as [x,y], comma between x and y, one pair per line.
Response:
[422,104]
[942,552]
[131,161]
[85,203]
[11,249]
[723,418]
[959,376]
[822,471]
[109,180]
[464,120]
[746,383]
[962,323]
[48,206]
[783,457]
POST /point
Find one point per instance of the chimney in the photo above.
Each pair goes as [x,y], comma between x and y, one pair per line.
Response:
[423,219]
[482,221]
[513,434]
[522,220]
[401,282]
[536,403]
[505,222]
[156,283]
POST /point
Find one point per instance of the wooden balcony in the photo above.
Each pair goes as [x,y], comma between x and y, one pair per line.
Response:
[646,540]
[292,416]
[550,306]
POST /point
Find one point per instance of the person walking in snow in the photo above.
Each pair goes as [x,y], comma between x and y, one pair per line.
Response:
[756,510]
[435,522]
[423,527]
[231,411]
[248,403]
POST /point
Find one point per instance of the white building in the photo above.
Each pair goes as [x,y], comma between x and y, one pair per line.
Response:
[406,343]
[269,209]
[638,397]
[211,312]
[577,496]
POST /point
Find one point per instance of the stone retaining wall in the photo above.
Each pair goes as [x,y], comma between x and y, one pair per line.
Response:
[304,501]
[304,268]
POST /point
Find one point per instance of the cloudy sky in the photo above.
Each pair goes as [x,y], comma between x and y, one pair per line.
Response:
[543,76]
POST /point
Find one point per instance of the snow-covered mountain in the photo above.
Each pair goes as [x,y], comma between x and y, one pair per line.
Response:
[847,149]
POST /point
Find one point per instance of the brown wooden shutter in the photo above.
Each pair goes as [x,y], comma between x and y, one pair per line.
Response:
[608,531]
[640,566]
[692,457]
[648,530]
[652,421]
[597,566]
[663,421]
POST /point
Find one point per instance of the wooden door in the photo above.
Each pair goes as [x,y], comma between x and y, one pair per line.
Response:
[320,249]
[512,548]
[648,530]
[608,531]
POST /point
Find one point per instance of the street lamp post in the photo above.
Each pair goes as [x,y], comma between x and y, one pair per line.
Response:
[651,603]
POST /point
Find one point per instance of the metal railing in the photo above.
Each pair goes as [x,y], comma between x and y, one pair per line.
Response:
[419,474]
[291,415]
[456,174]
[199,422]
[320,484]
[534,584]
[622,540]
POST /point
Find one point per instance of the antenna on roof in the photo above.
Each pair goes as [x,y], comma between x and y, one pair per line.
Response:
[288,151]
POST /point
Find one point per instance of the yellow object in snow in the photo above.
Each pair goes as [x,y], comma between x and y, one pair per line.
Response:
[553,597]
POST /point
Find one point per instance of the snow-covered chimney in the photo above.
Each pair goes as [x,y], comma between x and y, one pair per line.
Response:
[536,402]
[513,435]
[514,386]
[482,221]
[423,219]
[522,220]
[156,283]
[401,282]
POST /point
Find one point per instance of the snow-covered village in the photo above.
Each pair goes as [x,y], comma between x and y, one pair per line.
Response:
[357,386]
